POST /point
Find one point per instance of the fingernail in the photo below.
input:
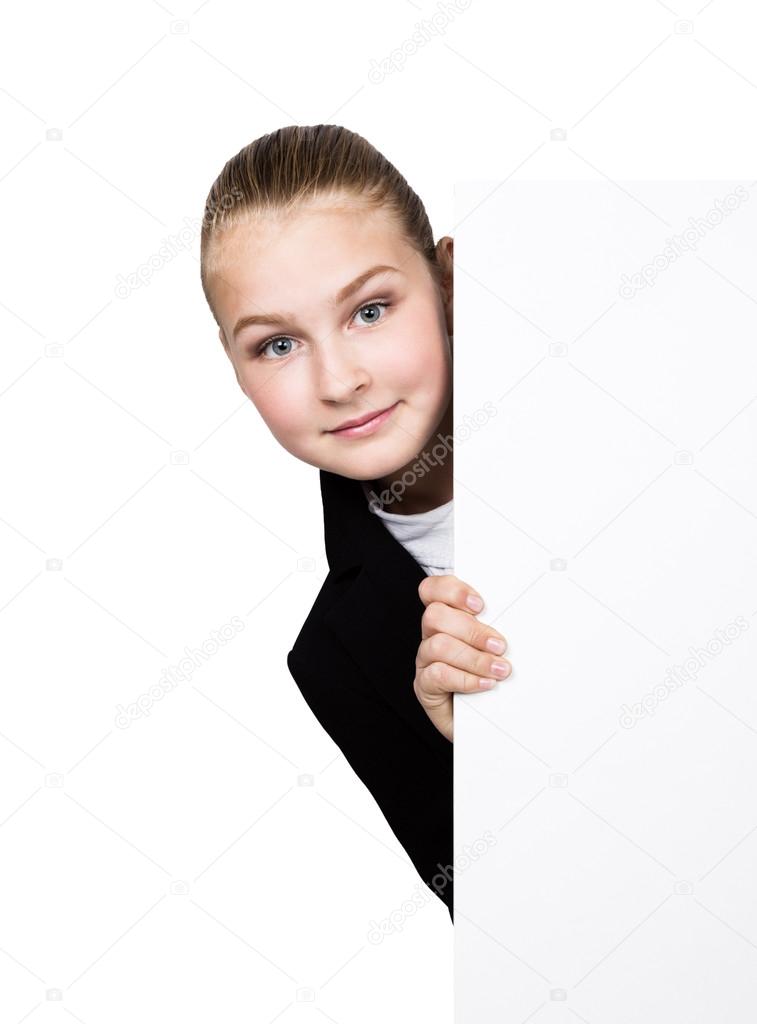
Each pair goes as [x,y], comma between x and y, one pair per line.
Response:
[495,646]
[500,668]
[487,684]
[474,603]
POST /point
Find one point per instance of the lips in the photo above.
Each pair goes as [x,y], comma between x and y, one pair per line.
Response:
[361,419]
[365,426]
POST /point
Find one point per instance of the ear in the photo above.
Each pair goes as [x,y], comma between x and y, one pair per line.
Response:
[445,255]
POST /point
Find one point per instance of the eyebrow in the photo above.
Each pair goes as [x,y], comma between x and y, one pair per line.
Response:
[282,319]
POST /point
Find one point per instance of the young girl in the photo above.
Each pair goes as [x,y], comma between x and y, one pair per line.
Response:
[334,307]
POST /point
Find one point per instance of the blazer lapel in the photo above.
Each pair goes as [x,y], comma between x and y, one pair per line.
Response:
[376,617]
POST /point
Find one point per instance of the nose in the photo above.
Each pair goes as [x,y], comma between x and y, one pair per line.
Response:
[339,371]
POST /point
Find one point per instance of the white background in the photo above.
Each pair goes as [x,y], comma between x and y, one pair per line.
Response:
[606,505]
[177,869]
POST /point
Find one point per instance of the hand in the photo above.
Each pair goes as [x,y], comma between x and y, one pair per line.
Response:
[452,655]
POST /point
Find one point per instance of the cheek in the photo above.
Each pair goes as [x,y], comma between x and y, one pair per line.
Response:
[280,397]
[421,361]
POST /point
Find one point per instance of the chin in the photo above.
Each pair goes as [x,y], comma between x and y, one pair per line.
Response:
[362,464]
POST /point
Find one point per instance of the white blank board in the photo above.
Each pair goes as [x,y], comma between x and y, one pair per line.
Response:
[606,510]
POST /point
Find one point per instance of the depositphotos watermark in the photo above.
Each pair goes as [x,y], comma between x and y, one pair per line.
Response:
[171,246]
[680,244]
[435,457]
[676,676]
[424,31]
[395,921]
[173,675]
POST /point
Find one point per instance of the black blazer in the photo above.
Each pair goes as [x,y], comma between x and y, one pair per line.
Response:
[354,663]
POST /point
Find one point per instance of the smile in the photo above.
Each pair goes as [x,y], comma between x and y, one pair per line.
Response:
[368,426]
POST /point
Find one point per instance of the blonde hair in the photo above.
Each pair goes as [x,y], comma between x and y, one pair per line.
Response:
[294,164]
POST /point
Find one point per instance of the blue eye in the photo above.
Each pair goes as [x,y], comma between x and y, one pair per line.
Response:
[274,341]
[372,305]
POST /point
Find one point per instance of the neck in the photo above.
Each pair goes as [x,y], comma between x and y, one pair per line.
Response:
[434,487]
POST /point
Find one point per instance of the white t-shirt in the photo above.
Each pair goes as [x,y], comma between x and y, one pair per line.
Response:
[428,536]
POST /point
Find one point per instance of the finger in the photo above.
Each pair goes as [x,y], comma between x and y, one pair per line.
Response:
[457,654]
[434,684]
[441,715]
[452,591]
[441,618]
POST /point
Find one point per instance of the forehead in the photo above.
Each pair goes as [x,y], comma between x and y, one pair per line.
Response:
[277,262]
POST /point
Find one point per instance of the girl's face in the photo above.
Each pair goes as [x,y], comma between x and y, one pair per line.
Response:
[318,336]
